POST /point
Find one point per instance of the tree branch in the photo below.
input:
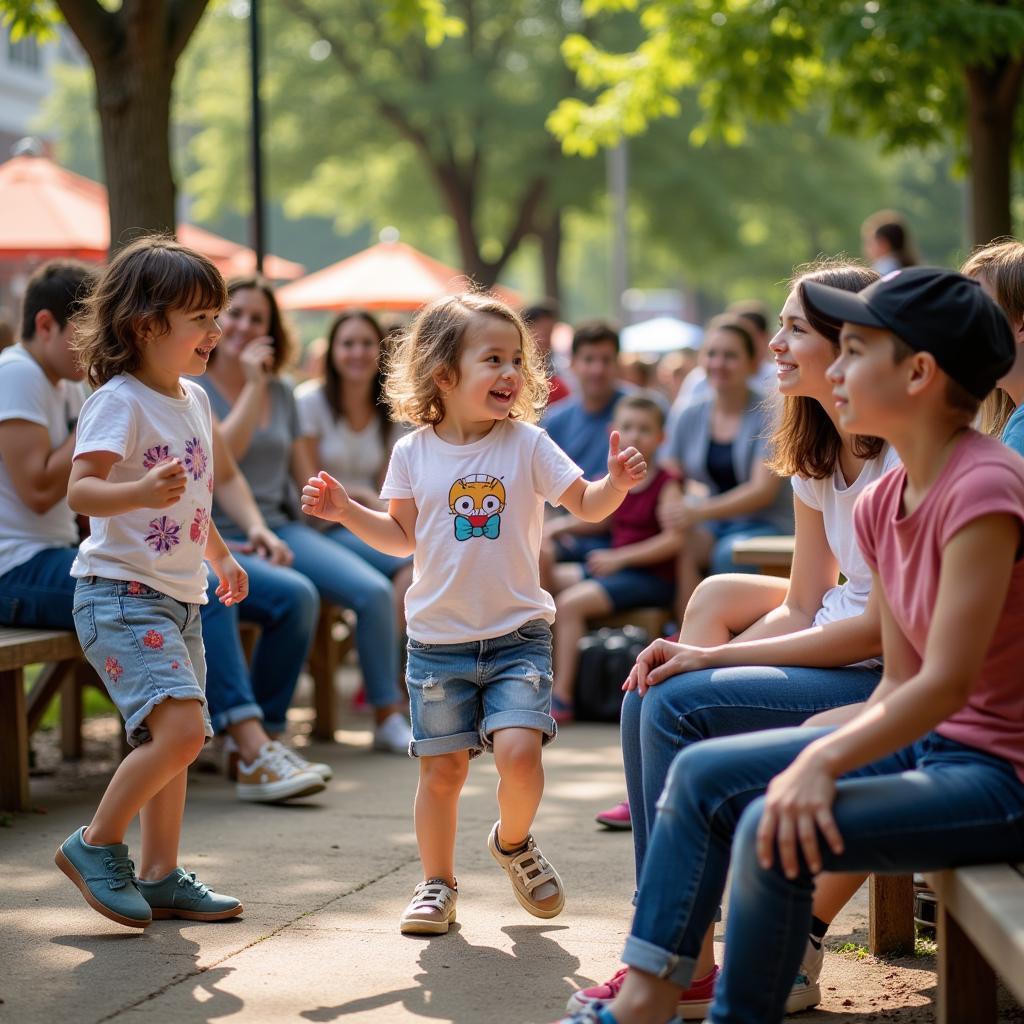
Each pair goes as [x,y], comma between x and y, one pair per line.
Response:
[182,18]
[523,225]
[95,27]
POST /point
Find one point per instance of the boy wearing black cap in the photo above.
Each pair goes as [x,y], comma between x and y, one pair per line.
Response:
[930,774]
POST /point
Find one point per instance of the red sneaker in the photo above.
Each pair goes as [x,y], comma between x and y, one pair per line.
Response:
[616,818]
[694,1002]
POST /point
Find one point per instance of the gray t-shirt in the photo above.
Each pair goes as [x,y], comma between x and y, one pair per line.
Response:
[266,464]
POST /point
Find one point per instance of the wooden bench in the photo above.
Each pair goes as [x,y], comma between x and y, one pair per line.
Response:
[772,556]
[21,713]
[980,933]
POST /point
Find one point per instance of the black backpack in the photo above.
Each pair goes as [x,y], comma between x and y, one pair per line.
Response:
[605,659]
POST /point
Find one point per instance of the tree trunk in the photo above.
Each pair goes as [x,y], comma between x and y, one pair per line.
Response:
[134,101]
[993,94]
[550,236]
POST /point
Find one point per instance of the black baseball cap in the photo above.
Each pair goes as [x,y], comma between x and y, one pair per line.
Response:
[932,310]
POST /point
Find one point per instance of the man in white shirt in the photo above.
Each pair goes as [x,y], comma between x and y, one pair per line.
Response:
[40,398]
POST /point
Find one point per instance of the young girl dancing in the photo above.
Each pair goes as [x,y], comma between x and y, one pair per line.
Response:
[143,473]
[466,493]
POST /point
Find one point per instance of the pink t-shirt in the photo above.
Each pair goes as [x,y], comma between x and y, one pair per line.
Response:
[982,477]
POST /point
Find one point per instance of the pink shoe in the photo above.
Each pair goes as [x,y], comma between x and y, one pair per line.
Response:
[694,1002]
[616,818]
[561,711]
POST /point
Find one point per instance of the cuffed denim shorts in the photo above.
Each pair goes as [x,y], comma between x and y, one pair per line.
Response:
[145,646]
[460,694]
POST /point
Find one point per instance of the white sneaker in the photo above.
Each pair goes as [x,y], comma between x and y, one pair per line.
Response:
[393,734]
[272,777]
[319,767]
[806,992]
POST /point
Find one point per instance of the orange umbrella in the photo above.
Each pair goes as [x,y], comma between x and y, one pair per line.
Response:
[389,275]
[48,212]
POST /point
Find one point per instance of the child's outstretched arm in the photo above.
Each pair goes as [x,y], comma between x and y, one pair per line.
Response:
[598,499]
[90,493]
[393,532]
[975,577]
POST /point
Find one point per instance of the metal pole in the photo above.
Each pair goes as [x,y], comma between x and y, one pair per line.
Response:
[618,190]
[257,226]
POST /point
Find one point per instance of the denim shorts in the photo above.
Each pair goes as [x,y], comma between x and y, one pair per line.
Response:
[459,694]
[145,646]
[635,588]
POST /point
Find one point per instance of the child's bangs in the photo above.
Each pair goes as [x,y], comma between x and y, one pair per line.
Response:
[190,282]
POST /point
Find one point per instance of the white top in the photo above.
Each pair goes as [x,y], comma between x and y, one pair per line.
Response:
[162,548]
[27,394]
[478,529]
[835,500]
[355,457]
[695,387]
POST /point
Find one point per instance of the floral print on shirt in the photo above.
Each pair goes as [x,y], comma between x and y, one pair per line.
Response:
[163,534]
[195,458]
[200,526]
[155,455]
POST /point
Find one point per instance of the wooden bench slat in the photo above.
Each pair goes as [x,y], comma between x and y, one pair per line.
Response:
[988,904]
[20,647]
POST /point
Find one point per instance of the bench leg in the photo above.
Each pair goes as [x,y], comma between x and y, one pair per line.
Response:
[71,713]
[13,742]
[891,914]
[967,985]
[323,666]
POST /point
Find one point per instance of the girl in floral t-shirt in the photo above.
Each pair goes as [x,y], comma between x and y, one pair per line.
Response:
[142,472]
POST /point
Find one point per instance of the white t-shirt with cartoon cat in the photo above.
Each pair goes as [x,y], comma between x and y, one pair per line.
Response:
[162,548]
[480,516]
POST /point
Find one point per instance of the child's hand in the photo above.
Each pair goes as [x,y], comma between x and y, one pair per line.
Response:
[233,585]
[325,498]
[604,563]
[163,485]
[626,468]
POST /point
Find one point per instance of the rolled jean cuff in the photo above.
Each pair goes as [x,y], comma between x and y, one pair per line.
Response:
[232,716]
[518,718]
[645,956]
[274,728]
[432,746]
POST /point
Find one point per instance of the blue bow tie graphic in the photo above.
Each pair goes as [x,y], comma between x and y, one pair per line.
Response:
[464,529]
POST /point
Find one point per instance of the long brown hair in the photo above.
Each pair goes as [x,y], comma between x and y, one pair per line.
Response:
[1001,264]
[332,378]
[139,287]
[278,329]
[806,442]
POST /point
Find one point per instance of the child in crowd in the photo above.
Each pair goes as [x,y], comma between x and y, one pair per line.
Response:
[930,774]
[638,569]
[466,493]
[142,472]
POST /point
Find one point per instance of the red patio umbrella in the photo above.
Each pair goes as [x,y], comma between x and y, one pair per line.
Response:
[48,212]
[390,275]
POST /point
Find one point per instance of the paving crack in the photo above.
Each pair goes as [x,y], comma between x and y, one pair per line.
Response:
[149,997]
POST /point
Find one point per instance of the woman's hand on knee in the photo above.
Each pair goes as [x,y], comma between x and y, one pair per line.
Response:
[660,661]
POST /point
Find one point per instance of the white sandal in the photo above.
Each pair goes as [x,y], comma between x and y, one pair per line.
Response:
[431,910]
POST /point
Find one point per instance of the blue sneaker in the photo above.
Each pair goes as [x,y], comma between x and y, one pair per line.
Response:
[182,895]
[106,878]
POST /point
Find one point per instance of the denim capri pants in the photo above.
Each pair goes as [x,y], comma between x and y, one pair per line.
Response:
[460,694]
[147,647]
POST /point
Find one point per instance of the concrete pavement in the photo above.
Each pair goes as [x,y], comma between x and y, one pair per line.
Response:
[324,883]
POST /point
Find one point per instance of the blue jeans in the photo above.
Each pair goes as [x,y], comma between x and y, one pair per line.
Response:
[936,804]
[460,694]
[345,578]
[285,605]
[696,706]
[40,592]
[727,532]
[387,564]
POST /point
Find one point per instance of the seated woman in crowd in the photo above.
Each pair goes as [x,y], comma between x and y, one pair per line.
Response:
[760,652]
[346,419]
[719,442]
[639,567]
[256,408]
